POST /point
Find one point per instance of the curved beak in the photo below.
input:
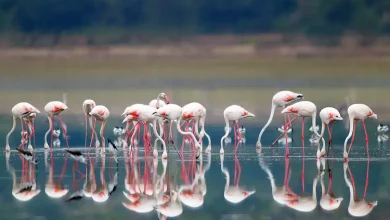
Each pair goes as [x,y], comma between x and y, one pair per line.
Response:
[251,114]
[339,118]
[65,107]
[374,116]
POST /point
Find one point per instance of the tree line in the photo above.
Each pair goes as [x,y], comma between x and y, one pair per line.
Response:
[309,17]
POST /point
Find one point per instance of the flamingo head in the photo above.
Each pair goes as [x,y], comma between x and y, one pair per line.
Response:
[335,116]
[165,97]
[247,114]
[129,118]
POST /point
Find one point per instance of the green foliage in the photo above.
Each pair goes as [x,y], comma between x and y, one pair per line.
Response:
[310,17]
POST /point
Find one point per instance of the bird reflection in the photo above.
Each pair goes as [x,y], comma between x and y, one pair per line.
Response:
[26,188]
[235,193]
[54,187]
[90,180]
[101,193]
[279,194]
[328,200]
[303,202]
[358,207]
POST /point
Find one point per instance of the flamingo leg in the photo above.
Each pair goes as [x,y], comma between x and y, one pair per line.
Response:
[366,185]
[51,131]
[285,134]
[93,133]
[86,131]
[365,131]
[303,136]
[353,136]
[64,130]
[23,136]
[303,174]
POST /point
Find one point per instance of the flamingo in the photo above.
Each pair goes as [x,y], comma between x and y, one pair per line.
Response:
[301,109]
[305,203]
[280,99]
[233,113]
[134,110]
[357,207]
[357,112]
[328,116]
[146,116]
[100,113]
[88,105]
[20,110]
[196,111]
[54,108]
[29,120]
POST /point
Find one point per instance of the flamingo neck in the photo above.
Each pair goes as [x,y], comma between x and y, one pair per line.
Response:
[185,132]
[12,130]
[351,191]
[351,120]
[227,127]
[268,122]
[157,135]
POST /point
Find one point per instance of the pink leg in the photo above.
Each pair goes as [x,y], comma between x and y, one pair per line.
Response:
[23,136]
[63,129]
[93,133]
[51,132]
[285,134]
[303,136]
[86,131]
[33,132]
[366,185]
[353,136]
[365,130]
[303,174]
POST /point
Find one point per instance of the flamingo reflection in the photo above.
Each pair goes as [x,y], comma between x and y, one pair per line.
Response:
[90,180]
[54,187]
[26,188]
[358,207]
[328,200]
[304,203]
[279,193]
[235,193]
[101,193]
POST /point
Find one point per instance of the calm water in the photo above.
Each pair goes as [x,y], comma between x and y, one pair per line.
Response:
[202,184]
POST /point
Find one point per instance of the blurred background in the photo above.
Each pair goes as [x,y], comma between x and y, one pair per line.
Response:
[218,53]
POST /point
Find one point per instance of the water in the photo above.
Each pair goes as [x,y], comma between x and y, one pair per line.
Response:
[249,169]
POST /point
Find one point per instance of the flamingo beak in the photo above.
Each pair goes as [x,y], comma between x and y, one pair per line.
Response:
[65,107]
[166,99]
[338,118]
[374,116]
[251,115]
[285,111]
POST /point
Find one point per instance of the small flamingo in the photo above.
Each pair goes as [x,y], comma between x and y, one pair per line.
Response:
[357,112]
[280,99]
[233,113]
[100,113]
[88,105]
[328,116]
[301,109]
[54,108]
[20,110]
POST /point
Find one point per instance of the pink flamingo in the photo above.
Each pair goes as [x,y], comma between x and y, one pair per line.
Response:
[29,120]
[20,110]
[134,110]
[357,112]
[54,108]
[233,113]
[301,109]
[146,116]
[162,100]
[280,99]
[100,113]
[328,116]
[88,105]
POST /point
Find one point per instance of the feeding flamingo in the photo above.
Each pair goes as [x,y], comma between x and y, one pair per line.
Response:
[88,105]
[234,113]
[20,110]
[29,120]
[54,108]
[146,116]
[328,116]
[196,112]
[357,112]
[134,110]
[100,113]
[280,99]
[301,109]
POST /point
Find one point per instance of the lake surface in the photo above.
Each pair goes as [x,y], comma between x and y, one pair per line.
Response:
[201,183]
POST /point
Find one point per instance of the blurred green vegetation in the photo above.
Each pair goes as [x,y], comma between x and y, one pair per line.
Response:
[173,17]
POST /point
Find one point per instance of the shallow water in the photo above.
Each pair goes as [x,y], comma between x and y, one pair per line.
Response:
[255,171]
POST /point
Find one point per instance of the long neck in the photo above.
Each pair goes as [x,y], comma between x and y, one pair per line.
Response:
[50,128]
[321,137]
[351,196]
[268,122]
[158,102]
[322,185]
[185,132]
[157,135]
[227,176]
[314,117]
[12,130]
[226,131]
[349,134]
[102,133]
